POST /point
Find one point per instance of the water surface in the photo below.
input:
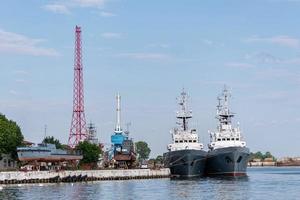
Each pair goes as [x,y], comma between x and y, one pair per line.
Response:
[261,183]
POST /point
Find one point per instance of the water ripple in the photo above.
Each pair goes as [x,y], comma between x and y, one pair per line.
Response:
[261,183]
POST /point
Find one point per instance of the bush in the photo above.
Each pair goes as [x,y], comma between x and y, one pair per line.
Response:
[90,152]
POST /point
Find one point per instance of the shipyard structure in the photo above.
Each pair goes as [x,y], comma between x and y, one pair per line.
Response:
[122,153]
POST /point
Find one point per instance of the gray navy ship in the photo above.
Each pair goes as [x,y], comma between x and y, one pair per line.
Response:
[185,156]
[228,154]
[46,152]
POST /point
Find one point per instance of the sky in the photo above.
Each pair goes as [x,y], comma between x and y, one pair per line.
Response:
[148,51]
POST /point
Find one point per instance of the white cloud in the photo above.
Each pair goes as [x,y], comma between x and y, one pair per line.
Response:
[21,81]
[57,8]
[20,72]
[13,92]
[110,35]
[208,42]
[107,14]
[212,43]
[263,57]
[239,65]
[158,45]
[145,56]
[281,40]
[89,3]
[267,58]
[65,6]
[17,43]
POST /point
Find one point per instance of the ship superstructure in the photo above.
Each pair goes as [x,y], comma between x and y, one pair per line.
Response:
[228,154]
[182,136]
[185,156]
[226,135]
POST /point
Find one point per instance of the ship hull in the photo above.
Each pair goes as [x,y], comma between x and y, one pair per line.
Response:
[229,161]
[51,158]
[45,155]
[185,163]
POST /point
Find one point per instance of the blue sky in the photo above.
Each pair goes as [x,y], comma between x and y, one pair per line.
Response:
[148,51]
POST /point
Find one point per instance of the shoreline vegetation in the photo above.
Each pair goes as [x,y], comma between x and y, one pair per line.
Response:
[260,159]
[282,162]
[12,137]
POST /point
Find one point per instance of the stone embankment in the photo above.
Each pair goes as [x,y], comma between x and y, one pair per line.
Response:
[20,177]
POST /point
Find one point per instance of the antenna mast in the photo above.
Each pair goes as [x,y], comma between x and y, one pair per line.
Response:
[184,114]
[118,128]
[78,131]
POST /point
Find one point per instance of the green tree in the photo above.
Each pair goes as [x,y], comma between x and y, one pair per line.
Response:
[258,155]
[142,150]
[159,159]
[52,140]
[89,151]
[10,136]
[268,155]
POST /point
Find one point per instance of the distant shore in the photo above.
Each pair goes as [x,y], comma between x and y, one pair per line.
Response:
[283,162]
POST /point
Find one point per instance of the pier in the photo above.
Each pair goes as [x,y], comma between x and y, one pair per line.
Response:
[20,177]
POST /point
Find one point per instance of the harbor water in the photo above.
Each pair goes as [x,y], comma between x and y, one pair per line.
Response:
[261,183]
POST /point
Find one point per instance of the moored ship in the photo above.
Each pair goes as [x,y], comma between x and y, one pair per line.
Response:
[46,152]
[185,156]
[228,154]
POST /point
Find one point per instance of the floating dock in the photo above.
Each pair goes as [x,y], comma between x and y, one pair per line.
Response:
[20,177]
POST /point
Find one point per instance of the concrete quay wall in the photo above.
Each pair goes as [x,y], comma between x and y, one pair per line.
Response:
[80,175]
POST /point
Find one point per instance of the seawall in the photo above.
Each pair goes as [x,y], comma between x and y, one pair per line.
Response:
[20,177]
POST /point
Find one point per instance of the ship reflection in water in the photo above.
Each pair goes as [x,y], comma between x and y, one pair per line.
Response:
[261,183]
[220,188]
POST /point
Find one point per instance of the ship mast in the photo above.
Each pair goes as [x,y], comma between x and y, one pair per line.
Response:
[118,128]
[183,114]
[223,113]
